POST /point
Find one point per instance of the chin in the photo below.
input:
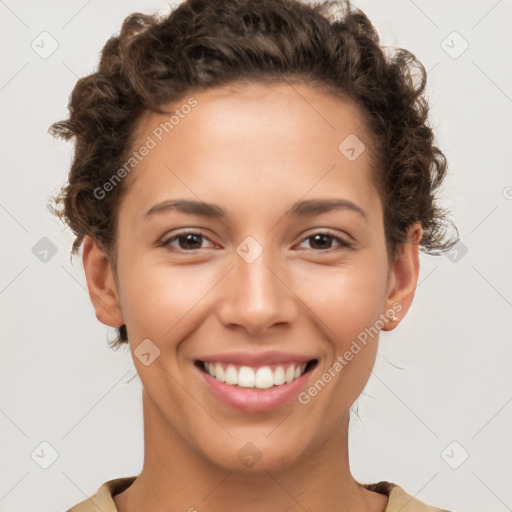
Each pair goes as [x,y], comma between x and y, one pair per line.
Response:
[254,457]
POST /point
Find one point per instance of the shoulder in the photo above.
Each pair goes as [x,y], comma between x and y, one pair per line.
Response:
[102,499]
[399,499]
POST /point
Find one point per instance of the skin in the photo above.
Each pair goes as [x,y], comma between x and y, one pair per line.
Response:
[253,151]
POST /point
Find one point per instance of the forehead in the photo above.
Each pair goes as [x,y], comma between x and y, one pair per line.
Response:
[263,110]
[267,139]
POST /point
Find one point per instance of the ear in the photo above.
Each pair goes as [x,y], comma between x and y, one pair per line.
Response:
[404,273]
[101,284]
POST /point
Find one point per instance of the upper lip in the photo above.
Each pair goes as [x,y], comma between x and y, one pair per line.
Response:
[256,359]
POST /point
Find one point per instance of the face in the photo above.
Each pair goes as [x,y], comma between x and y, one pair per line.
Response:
[273,277]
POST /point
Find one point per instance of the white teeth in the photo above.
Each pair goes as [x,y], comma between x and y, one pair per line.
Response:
[279,376]
[246,377]
[231,375]
[219,372]
[264,378]
[290,372]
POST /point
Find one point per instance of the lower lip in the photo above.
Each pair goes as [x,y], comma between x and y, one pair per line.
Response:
[253,399]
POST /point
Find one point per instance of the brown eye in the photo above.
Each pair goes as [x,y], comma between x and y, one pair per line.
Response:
[323,241]
[187,241]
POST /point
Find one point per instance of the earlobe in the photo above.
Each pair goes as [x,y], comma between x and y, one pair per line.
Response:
[405,271]
[101,284]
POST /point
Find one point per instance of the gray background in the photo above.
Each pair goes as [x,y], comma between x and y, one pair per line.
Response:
[62,386]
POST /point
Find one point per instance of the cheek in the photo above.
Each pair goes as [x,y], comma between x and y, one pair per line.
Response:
[349,303]
[347,298]
[159,301]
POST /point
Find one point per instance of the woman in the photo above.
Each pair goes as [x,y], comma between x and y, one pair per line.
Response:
[251,184]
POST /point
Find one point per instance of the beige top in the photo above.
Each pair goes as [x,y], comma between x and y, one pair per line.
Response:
[398,499]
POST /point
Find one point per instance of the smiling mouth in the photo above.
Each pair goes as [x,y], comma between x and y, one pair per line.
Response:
[261,377]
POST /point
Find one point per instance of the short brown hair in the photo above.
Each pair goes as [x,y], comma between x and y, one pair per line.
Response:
[156,60]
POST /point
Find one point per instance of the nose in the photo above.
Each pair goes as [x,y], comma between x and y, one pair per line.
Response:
[257,295]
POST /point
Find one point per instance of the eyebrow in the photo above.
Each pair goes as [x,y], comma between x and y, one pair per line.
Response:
[304,208]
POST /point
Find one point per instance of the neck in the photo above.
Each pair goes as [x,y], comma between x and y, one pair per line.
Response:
[175,476]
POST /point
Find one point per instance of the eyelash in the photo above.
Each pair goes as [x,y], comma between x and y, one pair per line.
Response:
[343,243]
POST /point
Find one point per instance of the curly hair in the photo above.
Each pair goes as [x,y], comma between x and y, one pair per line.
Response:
[157,60]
